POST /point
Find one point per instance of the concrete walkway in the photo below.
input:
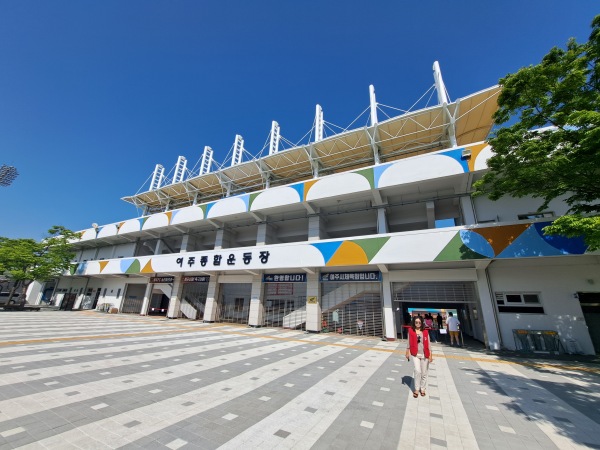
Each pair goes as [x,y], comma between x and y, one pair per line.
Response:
[84,380]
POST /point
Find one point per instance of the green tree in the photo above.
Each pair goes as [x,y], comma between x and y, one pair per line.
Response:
[26,260]
[552,148]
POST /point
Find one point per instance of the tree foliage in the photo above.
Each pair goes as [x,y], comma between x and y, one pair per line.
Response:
[25,260]
[552,148]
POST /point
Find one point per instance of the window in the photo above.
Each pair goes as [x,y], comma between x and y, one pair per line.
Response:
[519,302]
[535,215]
[118,293]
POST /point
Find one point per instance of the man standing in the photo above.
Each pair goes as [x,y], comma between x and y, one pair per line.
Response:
[452,324]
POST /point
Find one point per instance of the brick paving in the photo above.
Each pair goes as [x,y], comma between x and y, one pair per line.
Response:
[84,380]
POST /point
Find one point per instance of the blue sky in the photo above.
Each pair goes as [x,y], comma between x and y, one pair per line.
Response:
[94,94]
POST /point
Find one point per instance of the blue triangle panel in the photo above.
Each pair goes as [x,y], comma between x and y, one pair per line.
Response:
[246,199]
[568,246]
[299,188]
[377,171]
[125,264]
[457,155]
[529,244]
[208,208]
[477,243]
[327,249]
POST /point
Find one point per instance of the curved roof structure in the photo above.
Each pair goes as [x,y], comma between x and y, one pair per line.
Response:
[464,121]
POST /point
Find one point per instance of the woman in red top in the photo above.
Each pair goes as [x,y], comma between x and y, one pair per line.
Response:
[418,348]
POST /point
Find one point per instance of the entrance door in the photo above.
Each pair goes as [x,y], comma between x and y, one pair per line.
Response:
[235,303]
[285,305]
[68,302]
[352,308]
[590,305]
[96,299]
[193,300]
[437,298]
[134,298]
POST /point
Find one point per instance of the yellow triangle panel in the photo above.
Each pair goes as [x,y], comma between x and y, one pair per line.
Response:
[307,186]
[103,264]
[348,254]
[148,267]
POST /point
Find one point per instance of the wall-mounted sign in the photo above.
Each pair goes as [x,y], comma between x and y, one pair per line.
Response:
[311,300]
[352,276]
[162,280]
[279,289]
[219,259]
[198,279]
[284,278]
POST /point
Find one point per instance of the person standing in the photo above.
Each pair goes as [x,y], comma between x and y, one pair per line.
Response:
[418,348]
[429,327]
[452,324]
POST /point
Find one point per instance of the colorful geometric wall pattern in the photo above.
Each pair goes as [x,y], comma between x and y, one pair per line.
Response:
[405,170]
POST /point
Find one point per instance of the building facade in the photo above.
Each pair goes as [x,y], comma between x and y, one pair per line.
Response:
[349,234]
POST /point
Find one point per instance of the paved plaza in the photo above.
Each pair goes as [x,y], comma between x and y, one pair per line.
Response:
[87,380]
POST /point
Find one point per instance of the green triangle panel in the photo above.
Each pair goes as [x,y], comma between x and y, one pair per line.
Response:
[203,208]
[73,268]
[368,174]
[134,267]
[251,200]
[371,246]
[455,250]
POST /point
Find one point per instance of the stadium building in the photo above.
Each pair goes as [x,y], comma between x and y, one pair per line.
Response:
[350,233]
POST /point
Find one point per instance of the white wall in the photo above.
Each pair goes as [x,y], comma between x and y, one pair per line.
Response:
[556,279]
[507,209]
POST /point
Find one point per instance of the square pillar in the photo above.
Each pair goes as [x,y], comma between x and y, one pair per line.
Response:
[184,243]
[211,307]
[175,301]
[266,234]
[313,303]
[468,210]
[257,310]
[389,321]
[382,226]
[223,238]
[491,331]
[316,228]
[430,208]
[147,297]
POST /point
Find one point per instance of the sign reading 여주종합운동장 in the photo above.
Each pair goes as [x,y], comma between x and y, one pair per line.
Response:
[352,276]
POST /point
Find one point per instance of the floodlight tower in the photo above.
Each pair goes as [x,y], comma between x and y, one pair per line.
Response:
[7,175]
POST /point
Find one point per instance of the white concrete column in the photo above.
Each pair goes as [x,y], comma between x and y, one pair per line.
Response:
[493,340]
[316,228]
[266,234]
[382,226]
[223,238]
[313,303]
[175,301]
[430,206]
[257,309]
[210,309]
[468,210]
[388,309]
[147,297]
[159,247]
[184,243]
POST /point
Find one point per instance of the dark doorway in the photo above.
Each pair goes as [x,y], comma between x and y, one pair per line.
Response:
[590,306]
